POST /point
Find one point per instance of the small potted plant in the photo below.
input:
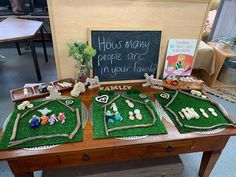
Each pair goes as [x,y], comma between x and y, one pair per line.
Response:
[82,53]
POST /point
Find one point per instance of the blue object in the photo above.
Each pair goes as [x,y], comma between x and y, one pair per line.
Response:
[111,121]
[108,117]
[118,117]
[34,122]
[43,88]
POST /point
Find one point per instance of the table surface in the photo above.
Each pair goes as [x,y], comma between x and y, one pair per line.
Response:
[90,144]
[12,29]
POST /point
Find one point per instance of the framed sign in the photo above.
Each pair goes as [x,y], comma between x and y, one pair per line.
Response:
[124,55]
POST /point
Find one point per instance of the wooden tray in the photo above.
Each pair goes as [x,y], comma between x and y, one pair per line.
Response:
[18,94]
[185,86]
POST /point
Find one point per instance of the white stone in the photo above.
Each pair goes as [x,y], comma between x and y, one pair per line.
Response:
[191,113]
[131,105]
[148,80]
[139,116]
[93,82]
[181,115]
[131,113]
[204,96]
[30,106]
[78,88]
[54,94]
[214,114]
[211,110]
[202,110]
[188,116]
[196,114]
[137,111]
[205,114]
[195,92]
[131,117]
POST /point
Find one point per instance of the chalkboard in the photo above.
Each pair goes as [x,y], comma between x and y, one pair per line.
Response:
[124,54]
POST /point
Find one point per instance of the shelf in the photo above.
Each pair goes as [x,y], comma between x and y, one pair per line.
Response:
[220,84]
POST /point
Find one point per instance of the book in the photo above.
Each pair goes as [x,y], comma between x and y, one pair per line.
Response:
[180,57]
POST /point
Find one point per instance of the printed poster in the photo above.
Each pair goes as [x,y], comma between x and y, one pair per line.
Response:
[179,57]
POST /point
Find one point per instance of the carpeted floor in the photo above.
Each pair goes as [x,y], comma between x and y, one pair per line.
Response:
[17,70]
[228,94]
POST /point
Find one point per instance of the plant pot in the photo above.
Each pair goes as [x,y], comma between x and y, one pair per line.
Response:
[80,72]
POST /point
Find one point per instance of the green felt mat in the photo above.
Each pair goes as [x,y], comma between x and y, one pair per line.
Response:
[182,101]
[123,109]
[24,131]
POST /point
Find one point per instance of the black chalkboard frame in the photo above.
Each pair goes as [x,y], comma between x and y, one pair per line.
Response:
[91,29]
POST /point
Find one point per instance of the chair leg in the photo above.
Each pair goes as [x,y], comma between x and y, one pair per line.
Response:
[44,46]
[18,48]
[35,59]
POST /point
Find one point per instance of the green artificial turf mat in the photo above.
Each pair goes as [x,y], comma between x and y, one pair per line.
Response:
[123,109]
[24,131]
[182,101]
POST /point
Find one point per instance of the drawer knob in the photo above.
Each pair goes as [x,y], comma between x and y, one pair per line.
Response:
[85,157]
[169,148]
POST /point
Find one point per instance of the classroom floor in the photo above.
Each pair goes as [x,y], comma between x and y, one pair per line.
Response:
[17,70]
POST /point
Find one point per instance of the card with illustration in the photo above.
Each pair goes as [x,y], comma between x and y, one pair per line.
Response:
[180,57]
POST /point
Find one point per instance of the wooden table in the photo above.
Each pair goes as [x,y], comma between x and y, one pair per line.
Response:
[221,55]
[16,30]
[90,151]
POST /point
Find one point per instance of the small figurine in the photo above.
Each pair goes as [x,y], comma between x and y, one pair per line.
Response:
[44,111]
[25,104]
[79,88]
[172,80]
[52,119]
[34,122]
[44,120]
[43,88]
[61,117]
[118,117]
[54,94]
[93,82]
[108,115]
[157,84]
[26,93]
[148,80]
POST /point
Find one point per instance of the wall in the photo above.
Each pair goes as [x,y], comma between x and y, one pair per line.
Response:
[226,23]
[70,20]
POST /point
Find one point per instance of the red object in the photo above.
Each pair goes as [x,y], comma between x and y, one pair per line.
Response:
[44,120]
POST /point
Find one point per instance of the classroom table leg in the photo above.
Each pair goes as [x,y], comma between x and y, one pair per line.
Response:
[18,48]
[16,169]
[44,46]
[35,59]
[208,162]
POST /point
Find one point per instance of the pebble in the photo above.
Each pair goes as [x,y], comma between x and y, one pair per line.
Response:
[181,115]
[142,96]
[118,117]
[131,117]
[131,113]
[139,116]
[211,110]
[214,114]
[130,104]
[111,121]
[137,111]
